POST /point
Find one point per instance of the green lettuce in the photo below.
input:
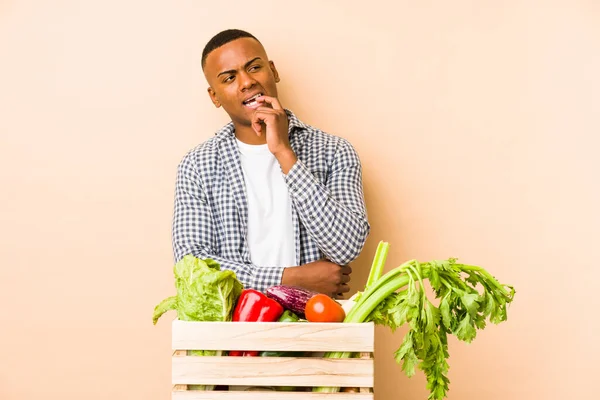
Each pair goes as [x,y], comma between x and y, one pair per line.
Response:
[204,293]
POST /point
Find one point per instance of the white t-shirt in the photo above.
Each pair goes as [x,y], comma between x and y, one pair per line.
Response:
[271,236]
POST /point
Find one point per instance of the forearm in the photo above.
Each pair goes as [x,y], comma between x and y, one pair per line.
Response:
[340,228]
[292,276]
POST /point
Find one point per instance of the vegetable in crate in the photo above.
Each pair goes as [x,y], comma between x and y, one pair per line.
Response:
[288,316]
[254,306]
[291,297]
[399,298]
[204,293]
[322,308]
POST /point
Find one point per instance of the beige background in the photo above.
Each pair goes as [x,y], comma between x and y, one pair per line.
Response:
[477,123]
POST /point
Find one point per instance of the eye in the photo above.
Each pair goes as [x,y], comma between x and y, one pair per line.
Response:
[254,68]
[228,79]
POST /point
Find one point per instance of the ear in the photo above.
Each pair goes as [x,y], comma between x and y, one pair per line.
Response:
[274,70]
[213,97]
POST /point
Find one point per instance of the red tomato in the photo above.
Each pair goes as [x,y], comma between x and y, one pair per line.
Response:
[322,308]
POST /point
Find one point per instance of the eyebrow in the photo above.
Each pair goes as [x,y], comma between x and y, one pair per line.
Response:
[231,71]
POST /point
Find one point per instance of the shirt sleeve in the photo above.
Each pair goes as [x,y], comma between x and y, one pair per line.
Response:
[333,213]
[193,231]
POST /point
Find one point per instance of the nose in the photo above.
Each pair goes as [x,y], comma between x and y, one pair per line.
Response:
[246,81]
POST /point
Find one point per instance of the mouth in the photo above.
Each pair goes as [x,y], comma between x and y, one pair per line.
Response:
[251,101]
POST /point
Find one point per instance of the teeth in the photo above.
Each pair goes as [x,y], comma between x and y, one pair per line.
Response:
[253,98]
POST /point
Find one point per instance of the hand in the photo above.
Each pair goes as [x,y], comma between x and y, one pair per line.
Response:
[271,120]
[320,276]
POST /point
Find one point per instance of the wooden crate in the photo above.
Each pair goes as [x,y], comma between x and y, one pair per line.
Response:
[272,371]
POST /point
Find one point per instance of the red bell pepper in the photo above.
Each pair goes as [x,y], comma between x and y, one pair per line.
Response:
[254,306]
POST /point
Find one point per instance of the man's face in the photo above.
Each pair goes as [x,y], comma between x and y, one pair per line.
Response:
[237,72]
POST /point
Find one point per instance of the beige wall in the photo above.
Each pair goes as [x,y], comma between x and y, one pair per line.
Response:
[477,123]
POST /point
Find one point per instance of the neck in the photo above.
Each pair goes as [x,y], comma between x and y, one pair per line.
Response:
[246,134]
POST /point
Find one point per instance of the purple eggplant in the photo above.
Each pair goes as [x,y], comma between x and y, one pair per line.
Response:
[292,298]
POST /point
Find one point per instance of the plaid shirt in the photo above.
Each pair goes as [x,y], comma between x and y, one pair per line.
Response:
[328,210]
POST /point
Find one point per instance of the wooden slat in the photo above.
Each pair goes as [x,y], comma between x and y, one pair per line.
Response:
[179,353]
[223,395]
[276,371]
[275,336]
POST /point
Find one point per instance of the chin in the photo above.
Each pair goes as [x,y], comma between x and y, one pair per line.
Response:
[242,120]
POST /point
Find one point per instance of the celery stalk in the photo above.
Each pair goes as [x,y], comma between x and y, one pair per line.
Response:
[378,263]
[374,274]
[394,276]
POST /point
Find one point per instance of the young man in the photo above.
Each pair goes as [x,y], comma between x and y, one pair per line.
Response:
[269,197]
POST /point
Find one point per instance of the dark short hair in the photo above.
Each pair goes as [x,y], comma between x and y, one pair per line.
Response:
[223,38]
